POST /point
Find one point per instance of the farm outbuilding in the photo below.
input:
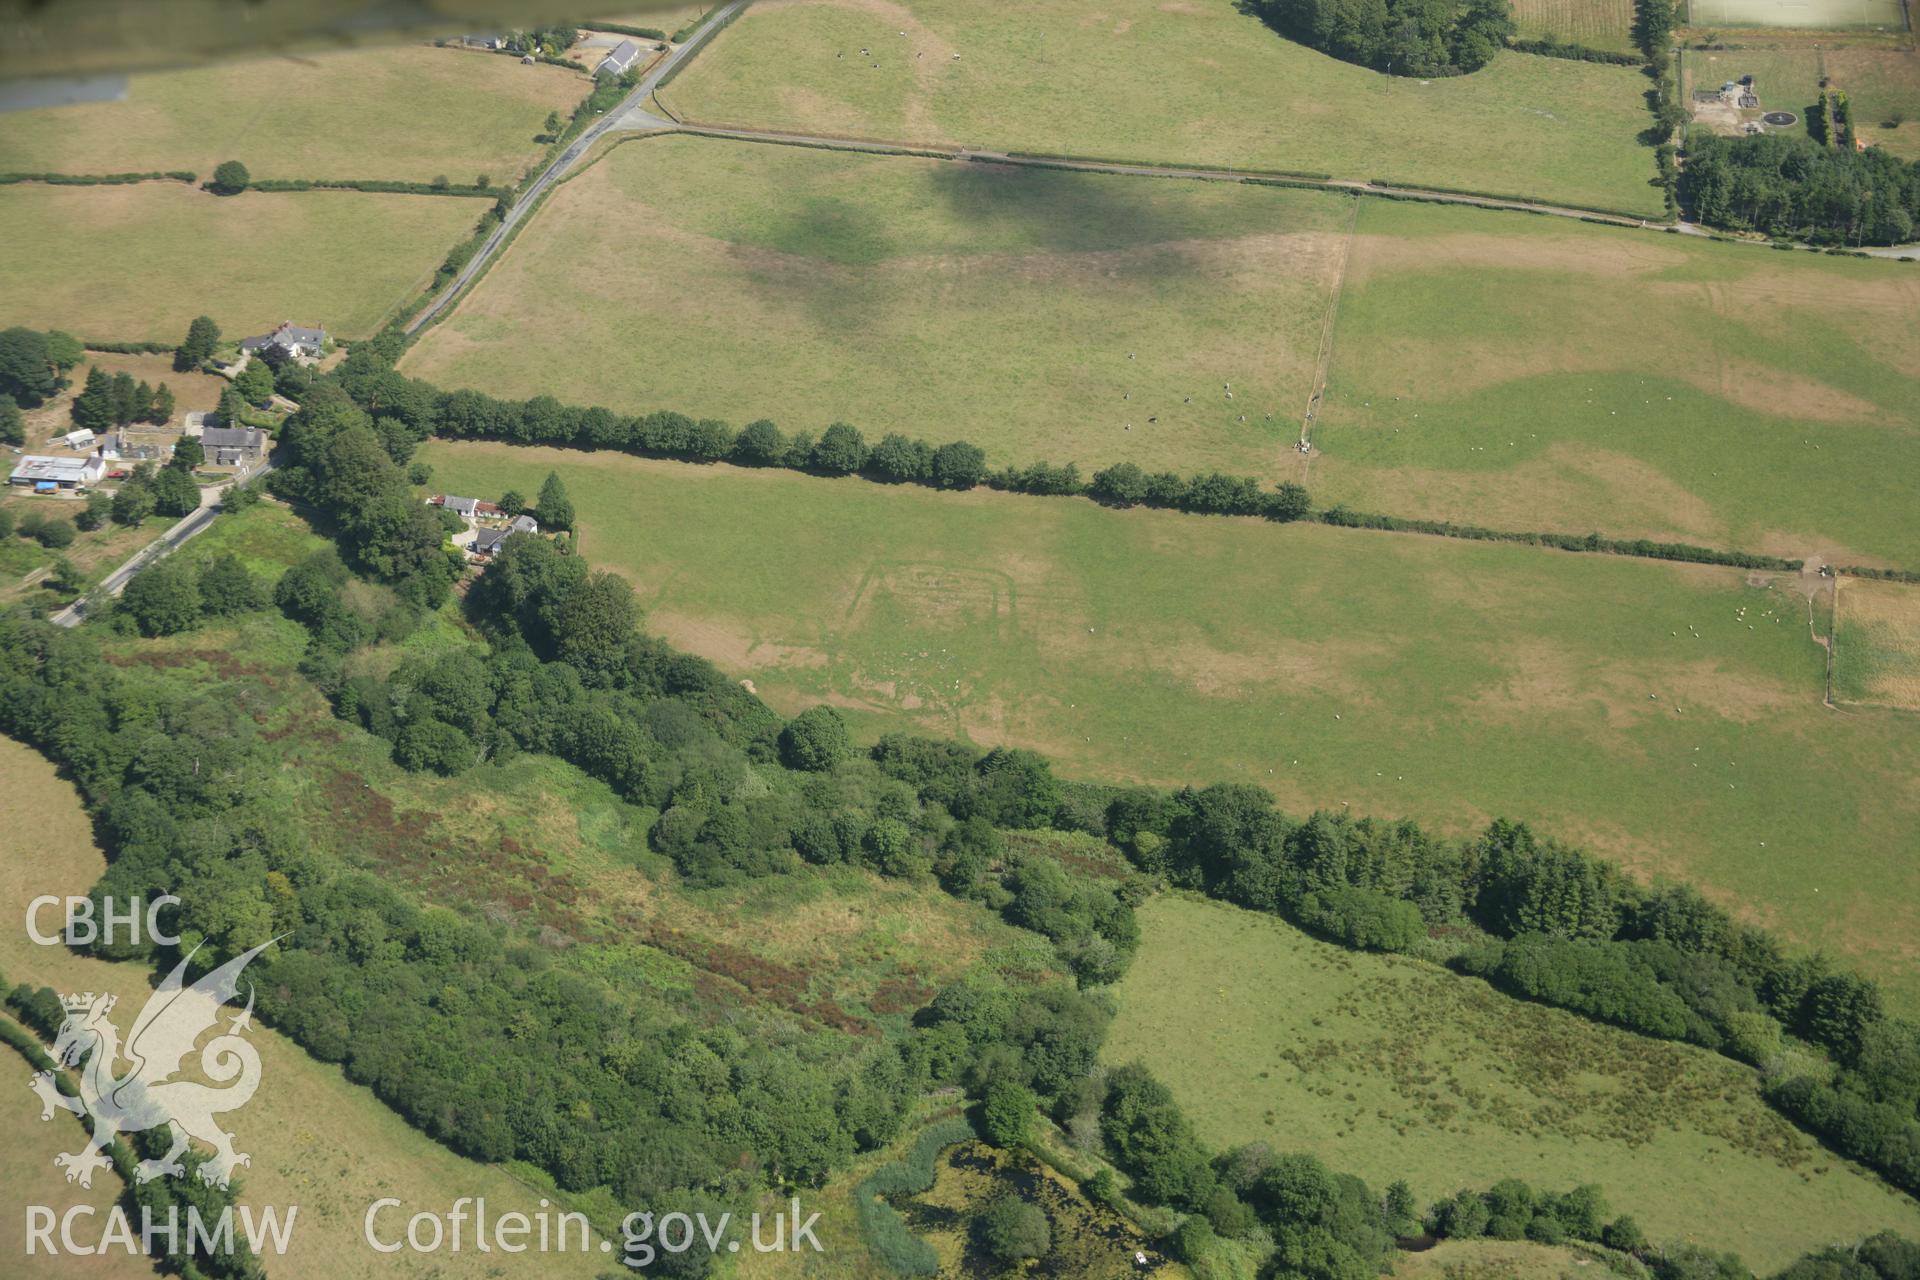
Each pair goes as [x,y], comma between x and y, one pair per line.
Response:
[43,475]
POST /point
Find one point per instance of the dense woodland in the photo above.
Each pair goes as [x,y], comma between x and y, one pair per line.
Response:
[1407,37]
[1795,187]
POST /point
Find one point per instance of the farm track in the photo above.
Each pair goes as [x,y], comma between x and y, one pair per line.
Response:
[1323,363]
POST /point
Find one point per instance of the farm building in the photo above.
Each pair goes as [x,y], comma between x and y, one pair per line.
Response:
[291,339]
[488,541]
[81,439]
[233,446]
[120,447]
[618,60]
[44,475]
[468,509]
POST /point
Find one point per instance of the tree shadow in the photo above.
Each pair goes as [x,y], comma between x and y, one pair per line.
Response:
[815,251]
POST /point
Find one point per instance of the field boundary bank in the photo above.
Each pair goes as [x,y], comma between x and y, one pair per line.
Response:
[1154,169]
[181,176]
[1375,188]
[265,186]
[376,186]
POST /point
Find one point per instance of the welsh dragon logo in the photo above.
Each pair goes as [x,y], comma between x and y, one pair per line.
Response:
[146,1096]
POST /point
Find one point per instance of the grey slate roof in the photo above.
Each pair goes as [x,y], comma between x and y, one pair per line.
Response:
[232,438]
[287,335]
[619,59]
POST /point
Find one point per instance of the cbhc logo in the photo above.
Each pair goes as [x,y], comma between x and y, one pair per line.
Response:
[83,929]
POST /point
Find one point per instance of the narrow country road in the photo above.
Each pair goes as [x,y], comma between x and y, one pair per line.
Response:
[190,526]
[570,157]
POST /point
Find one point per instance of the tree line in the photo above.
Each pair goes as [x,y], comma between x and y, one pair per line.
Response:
[1406,37]
[408,410]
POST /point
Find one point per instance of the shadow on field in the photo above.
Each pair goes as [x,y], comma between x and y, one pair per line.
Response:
[824,241]
[1066,212]
[833,229]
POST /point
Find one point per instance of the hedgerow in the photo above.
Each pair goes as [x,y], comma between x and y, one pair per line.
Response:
[99,179]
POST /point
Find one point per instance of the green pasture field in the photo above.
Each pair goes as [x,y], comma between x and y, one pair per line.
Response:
[1597,24]
[402,114]
[1197,82]
[1668,716]
[1534,373]
[1040,314]
[138,263]
[668,17]
[1823,15]
[1395,1068]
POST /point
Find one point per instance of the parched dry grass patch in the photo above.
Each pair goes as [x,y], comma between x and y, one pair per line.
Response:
[1493,1260]
[1396,1068]
[1042,315]
[138,263]
[1393,675]
[1876,650]
[402,114]
[1566,377]
[1201,83]
[25,564]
